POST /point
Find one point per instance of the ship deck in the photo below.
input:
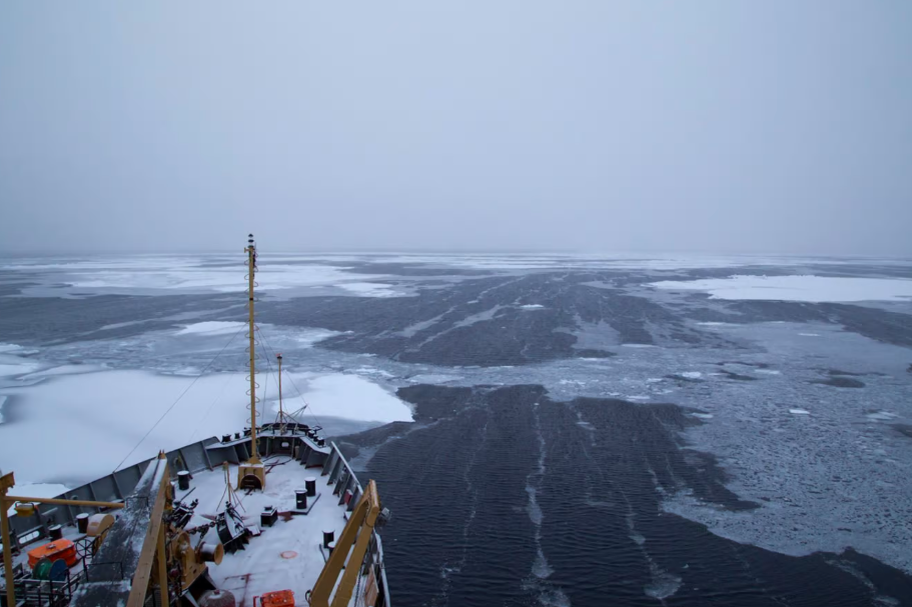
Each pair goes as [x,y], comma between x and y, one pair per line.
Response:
[286,556]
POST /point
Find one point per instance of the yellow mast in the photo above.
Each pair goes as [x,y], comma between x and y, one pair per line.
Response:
[251,474]
[281,411]
[251,270]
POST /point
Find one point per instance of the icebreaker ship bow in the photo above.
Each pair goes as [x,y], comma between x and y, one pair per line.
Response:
[271,515]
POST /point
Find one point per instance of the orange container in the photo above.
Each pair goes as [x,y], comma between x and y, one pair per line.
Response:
[279,598]
[57,550]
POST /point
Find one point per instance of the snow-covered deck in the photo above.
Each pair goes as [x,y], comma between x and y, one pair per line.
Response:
[286,556]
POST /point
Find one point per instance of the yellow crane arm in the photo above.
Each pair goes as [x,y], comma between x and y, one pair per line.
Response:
[357,533]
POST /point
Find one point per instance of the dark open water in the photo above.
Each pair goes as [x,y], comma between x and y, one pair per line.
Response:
[504,497]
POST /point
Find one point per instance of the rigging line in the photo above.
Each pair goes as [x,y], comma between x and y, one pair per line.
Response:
[265,387]
[291,379]
[265,345]
[187,389]
[306,404]
[209,410]
[269,370]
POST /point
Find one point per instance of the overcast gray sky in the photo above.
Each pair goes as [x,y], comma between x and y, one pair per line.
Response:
[731,126]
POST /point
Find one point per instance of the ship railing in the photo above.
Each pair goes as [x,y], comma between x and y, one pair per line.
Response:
[112,487]
[32,592]
[348,489]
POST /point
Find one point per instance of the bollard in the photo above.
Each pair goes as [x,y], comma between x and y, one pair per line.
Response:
[82,522]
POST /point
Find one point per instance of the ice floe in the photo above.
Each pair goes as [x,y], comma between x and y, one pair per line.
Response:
[212,327]
[881,416]
[199,273]
[797,288]
[351,397]
[115,409]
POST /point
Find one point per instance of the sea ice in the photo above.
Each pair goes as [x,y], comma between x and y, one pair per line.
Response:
[115,409]
[200,273]
[797,288]
[14,366]
[351,397]
[212,327]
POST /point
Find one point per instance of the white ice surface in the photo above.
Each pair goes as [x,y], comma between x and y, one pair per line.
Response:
[212,327]
[434,378]
[884,416]
[797,288]
[62,370]
[199,273]
[115,409]
[11,348]
[14,370]
[368,289]
[14,366]
[350,397]
[615,260]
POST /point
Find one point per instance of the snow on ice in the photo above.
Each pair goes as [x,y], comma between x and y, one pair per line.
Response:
[797,288]
[115,409]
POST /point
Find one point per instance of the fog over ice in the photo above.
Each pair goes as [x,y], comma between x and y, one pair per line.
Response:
[714,126]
